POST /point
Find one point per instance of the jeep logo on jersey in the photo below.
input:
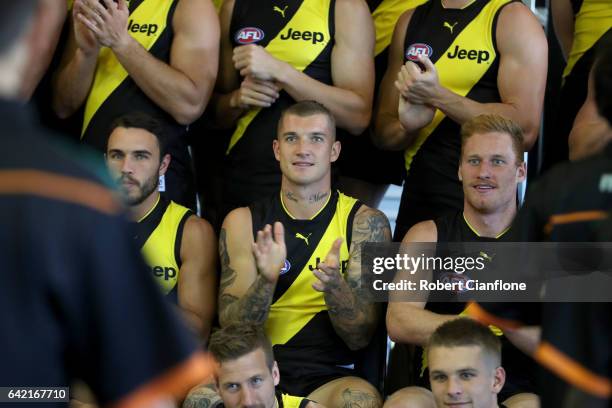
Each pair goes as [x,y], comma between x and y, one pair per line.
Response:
[150,29]
[413,52]
[312,36]
[343,265]
[285,267]
[166,272]
[249,35]
[474,55]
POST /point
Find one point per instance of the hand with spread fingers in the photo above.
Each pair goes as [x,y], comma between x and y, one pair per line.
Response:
[107,20]
[255,93]
[270,251]
[253,60]
[328,271]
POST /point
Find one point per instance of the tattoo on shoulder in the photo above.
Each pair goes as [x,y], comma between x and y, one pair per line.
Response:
[371,225]
[352,398]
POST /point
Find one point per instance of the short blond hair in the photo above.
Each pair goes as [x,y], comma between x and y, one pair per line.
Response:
[494,123]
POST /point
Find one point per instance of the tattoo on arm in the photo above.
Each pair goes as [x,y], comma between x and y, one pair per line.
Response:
[204,396]
[254,305]
[350,307]
[359,399]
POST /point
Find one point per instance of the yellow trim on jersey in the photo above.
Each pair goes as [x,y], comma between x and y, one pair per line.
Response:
[158,250]
[385,17]
[150,209]
[498,236]
[592,21]
[290,401]
[461,76]
[300,303]
[109,71]
[312,16]
[311,218]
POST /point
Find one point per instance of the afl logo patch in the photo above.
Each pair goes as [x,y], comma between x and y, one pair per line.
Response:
[459,281]
[286,267]
[249,35]
[413,52]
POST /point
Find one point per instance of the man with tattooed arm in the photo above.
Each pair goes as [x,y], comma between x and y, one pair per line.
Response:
[292,263]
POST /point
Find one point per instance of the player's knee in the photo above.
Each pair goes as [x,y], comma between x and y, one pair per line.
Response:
[411,397]
[202,396]
[524,400]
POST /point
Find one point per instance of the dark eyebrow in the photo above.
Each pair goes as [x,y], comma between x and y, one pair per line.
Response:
[115,151]
[146,152]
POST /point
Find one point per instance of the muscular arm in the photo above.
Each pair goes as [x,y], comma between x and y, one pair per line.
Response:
[350,97]
[183,87]
[244,294]
[391,133]
[409,322]
[590,133]
[197,286]
[521,99]
[563,23]
[352,313]
[74,77]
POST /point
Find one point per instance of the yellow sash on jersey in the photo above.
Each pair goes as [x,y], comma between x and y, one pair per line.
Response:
[461,76]
[300,303]
[385,17]
[313,15]
[158,250]
[592,21]
[290,401]
[109,72]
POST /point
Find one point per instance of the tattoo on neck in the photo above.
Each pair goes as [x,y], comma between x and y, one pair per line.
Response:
[317,197]
[291,196]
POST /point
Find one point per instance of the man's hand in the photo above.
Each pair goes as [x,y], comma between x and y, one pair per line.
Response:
[270,251]
[254,93]
[255,61]
[85,38]
[419,86]
[108,22]
[328,271]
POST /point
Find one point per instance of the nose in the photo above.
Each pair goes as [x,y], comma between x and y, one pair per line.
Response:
[484,170]
[126,166]
[248,397]
[302,148]
[453,388]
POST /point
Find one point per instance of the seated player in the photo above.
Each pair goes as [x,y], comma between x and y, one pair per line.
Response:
[465,365]
[247,374]
[301,277]
[490,169]
[178,246]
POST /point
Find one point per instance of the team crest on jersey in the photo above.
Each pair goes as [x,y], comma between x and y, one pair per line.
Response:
[249,35]
[413,52]
[285,267]
[458,279]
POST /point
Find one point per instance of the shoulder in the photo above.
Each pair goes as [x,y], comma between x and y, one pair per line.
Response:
[195,11]
[198,229]
[353,6]
[425,231]
[515,21]
[371,225]
[239,219]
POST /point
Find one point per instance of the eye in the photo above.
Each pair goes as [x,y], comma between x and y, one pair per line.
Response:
[466,376]
[317,139]
[115,155]
[290,138]
[141,156]
[498,162]
[474,162]
[439,377]
[232,387]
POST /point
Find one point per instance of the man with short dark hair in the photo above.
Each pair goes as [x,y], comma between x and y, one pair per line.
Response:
[490,170]
[75,298]
[179,247]
[247,373]
[465,365]
[292,262]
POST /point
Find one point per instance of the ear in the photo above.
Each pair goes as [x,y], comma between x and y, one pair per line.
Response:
[459,170]
[335,150]
[499,379]
[275,374]
[521,172]
[163,167]
[275,148]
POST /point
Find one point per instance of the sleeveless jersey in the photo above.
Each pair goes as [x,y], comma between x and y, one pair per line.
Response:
[159,234]
[305,342]
[114,93]
[299,32]
[462,45]
[454,228]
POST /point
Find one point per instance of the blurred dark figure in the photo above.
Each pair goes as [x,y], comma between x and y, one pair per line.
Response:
[76,301]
